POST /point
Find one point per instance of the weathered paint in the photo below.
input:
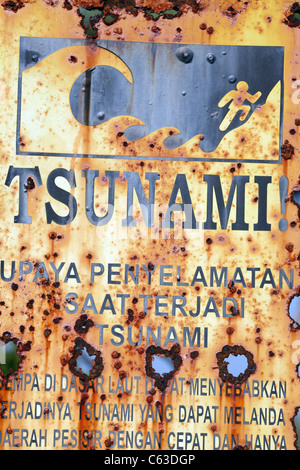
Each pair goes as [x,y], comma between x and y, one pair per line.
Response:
[186,409]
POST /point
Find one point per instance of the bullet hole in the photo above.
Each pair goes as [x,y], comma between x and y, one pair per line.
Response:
[14,286]
[64,360]
[90,17]
[210,30]
[108,442]
[287,150]
[9,358]
[130,316]
[167,362]
[12,6]
[155,29]
[235,364]
[292,18]
[67,5]
[110,19]
[30,304]
[21,140]
[162,365]
[30,184]
[150,266]
[24,346]
[47,332]
[231,12]
[294,310]
[194,354]
[296,426]
[203,26]
[72,59]
[289,247]
[118,30]
[295,196]
[83,324]
[86,361]
[231,287]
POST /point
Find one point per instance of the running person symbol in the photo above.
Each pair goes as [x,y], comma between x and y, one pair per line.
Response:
[237,98]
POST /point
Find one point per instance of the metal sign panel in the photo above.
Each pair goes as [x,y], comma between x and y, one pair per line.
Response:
[154,85]
[149,271]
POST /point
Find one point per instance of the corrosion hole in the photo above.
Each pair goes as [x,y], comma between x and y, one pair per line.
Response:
[235,364]
[9,358]
[29,185]
[295,196]
[13,6]
[83,324]
[293,16]
[287,150]
[86,361]
[162,364]
[90,17]
[294,309]
[296,424]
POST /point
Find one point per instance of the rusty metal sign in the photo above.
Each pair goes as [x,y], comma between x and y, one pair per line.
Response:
[149,270]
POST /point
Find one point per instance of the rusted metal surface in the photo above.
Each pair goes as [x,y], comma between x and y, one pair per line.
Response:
[91,299]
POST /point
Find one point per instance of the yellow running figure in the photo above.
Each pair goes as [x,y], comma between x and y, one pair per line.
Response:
[237,98]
